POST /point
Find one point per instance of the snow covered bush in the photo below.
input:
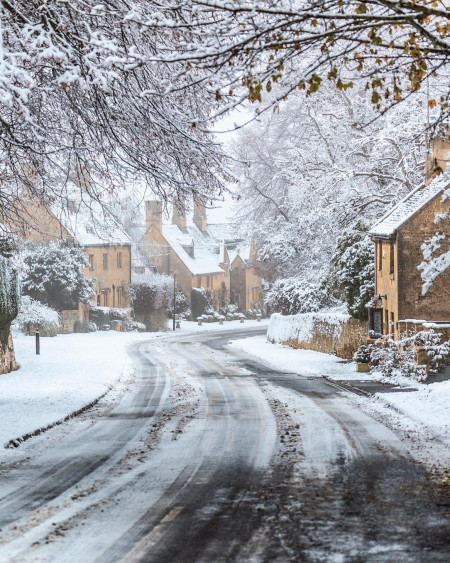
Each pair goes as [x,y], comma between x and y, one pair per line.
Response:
[151,295]
[229,309]
[399,357]
[54,275]
[254,312]
[202,302]
[354,260]
[84,326]
[291,296]
[362,355]
[182,307]
[35,315]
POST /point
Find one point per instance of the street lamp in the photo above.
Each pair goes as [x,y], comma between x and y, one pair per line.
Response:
[174,296]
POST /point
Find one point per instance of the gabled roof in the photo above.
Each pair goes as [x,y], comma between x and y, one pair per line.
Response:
[88,221]
[206,259]
[408,207]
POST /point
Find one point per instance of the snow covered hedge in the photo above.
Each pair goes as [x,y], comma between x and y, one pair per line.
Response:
[292,295]
[300,327]
[35,315]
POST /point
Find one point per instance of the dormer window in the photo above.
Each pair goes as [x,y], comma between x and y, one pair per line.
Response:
[189,249]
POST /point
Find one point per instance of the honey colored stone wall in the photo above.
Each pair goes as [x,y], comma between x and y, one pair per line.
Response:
[435,304]
[339,335]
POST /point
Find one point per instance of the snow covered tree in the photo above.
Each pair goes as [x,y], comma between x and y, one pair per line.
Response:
[354,260]
[54,275]
[391,46]
[9,307]
[84,100]
[306,172]
[292,296]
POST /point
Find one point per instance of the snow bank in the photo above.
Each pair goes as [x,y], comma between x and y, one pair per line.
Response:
[303,362]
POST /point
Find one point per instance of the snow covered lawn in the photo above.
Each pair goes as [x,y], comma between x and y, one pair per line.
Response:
[72,371]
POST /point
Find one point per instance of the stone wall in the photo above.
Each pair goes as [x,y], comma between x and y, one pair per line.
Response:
[156,321]
[330,333]
[67,320]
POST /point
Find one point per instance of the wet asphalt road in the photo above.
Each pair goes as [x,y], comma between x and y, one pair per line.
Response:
[234,465]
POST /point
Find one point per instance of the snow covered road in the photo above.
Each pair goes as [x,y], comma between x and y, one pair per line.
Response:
[214,456]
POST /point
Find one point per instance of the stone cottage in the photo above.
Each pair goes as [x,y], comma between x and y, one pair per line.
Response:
[201,255]
[81,219]
[412,243]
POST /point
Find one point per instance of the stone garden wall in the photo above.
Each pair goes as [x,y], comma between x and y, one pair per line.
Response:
[330,333]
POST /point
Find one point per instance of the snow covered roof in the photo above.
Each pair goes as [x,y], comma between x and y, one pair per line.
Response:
[88,221]
[408,207]
[206,251]
[230,233]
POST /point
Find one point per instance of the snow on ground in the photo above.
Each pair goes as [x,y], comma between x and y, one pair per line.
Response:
[72,371]
[304,362]
[422,416]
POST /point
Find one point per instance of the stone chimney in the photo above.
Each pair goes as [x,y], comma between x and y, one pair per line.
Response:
[200,214]
[179,213]
[438,154]
[153,215]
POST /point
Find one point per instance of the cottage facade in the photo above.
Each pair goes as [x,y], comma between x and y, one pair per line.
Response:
[245,281]
[412,258]
[107,246]
[201,256]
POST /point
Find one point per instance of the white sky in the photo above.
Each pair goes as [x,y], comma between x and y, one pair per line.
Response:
[225,134]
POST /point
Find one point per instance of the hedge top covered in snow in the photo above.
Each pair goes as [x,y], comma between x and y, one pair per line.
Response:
[299,327]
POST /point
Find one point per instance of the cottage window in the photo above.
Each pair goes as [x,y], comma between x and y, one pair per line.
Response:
[91,261]
[386,321]
[105,263]
[98,300]
[119,297]
[105,298]
[380,255]
[119,259]
[391,258]
[376,322]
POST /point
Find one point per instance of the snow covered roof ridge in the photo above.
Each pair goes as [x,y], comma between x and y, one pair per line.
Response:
[409,206]
[90,222]
[204,260]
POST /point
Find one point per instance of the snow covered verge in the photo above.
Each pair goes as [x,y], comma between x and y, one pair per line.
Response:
[422,417]
[72,373]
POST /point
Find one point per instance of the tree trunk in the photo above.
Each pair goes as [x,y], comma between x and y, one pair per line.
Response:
[7,358]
